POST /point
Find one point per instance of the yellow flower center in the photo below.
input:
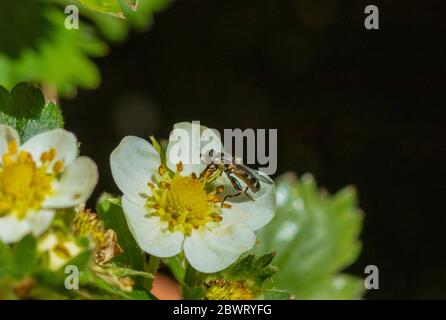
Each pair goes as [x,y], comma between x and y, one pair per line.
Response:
[184,202]
[227,290]
[24,185]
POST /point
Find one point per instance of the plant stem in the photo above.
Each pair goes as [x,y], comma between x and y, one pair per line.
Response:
[152,268]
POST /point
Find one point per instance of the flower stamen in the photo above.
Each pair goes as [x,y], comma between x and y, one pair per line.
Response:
[162,170]
[219,289]
[185,203]
[23,184]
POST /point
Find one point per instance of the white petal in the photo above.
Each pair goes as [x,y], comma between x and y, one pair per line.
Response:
[40,221]
[255,214]
[7,134]
[64,142]
[134,163]
[187,142]
[47,243]
[75,186]
[213,250]
[12,229]
[150,233]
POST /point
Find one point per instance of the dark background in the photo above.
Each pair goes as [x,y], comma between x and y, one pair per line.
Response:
[351,106]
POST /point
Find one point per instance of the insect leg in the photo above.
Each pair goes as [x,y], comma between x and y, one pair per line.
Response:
[246,193]
[237,186]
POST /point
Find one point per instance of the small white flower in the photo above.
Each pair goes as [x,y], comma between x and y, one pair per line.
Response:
[172,209]
[39,177]
[60,250]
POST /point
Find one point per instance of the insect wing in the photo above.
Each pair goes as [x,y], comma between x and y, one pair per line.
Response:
[256,174]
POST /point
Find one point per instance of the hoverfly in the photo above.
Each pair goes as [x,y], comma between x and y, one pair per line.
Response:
[235,171]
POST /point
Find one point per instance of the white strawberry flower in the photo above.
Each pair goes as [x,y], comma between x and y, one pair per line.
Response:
[173,209]
[60,249]
[39,177]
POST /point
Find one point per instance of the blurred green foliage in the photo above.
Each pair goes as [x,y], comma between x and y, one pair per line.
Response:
[36,46]
[22,27]
[112,7]
[21,275]
[315,236]
[24,275]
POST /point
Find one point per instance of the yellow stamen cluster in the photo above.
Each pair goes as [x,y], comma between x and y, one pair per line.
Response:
[24,185]
[184,202]
[87,223]
[227,290]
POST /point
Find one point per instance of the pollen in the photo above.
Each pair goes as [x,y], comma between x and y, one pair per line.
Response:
[185,203]
[227,290]
[58,167]
[12,147]
[161,170]
[23,184]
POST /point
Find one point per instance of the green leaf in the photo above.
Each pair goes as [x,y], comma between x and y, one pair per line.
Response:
[25,257]
[15,21]
[50,118]
[25,110]
[26,101]
[110,211]
[44,293]
[316,237]
[7,291]
[6,260]
[274,295]
[252,273]
[256,270]
[57,57]
[140,295]
[115,8]
[142,17]
[339,287]
[111,7]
